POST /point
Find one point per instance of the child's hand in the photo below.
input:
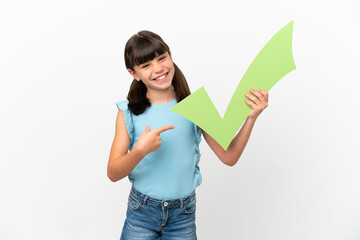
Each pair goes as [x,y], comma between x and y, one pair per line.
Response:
[150,140]
[258,103]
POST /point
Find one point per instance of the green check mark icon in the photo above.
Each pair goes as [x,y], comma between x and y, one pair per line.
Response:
[272,63]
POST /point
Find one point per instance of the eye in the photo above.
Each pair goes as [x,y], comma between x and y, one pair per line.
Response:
[162,57]
[145,66]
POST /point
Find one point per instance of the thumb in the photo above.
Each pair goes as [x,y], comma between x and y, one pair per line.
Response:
[147,128]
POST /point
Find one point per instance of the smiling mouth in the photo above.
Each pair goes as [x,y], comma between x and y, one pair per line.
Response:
[162,77]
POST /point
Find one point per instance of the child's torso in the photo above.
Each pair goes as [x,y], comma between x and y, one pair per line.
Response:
[172,171]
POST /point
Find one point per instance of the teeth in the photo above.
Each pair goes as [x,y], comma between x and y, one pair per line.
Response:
[162,77]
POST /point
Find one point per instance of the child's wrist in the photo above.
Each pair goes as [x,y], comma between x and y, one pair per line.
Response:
[139,151]
[252,118]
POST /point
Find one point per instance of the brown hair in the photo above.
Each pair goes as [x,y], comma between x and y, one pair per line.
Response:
[143,47]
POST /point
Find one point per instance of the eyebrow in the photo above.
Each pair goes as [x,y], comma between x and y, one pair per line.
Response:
[158,56]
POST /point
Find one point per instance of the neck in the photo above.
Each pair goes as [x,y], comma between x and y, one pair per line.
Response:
[160,97]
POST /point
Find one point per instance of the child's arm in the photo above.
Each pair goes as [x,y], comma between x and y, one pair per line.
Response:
[238,144]
[121,162]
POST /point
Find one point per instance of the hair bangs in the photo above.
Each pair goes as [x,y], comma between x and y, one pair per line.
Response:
[146,50]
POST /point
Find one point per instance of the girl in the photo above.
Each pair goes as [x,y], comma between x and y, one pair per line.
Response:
[158,149]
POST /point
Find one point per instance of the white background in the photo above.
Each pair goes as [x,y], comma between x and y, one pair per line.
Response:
[62,70]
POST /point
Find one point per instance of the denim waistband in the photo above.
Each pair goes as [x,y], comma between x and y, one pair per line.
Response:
[171,203]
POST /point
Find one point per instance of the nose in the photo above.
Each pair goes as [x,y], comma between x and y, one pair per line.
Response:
[157,67]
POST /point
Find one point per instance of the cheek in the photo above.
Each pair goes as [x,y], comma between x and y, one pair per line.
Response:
[146,74]
[172,67]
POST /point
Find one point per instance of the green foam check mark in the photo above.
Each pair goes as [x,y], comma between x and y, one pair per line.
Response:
[272,63]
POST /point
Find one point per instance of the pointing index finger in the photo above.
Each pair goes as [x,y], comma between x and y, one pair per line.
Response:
[163,129]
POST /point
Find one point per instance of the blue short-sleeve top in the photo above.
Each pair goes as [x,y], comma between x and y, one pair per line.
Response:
[172,171]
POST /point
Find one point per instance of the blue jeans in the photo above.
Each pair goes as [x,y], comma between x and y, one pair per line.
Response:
[150,218]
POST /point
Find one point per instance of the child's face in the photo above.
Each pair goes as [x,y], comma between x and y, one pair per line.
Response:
[156,74]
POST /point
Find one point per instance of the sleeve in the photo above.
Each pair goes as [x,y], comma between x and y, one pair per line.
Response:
[198,133]
[123,106]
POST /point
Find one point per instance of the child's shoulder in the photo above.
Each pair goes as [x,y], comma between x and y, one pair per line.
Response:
[123,105]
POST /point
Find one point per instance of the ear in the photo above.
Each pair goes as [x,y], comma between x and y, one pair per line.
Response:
[134,75]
